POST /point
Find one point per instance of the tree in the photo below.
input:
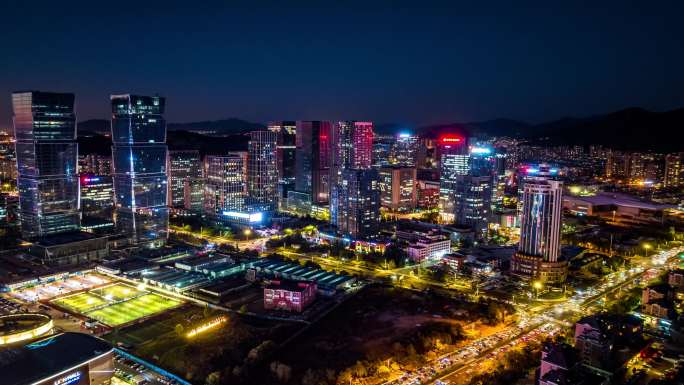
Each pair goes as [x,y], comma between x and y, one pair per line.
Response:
[206,311]
[214,378]
[243,309]
[281,371]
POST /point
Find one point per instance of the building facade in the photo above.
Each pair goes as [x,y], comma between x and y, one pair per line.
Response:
[97,195]
[95,164]
[140,173]
[358,208]
[312,160]
[398,191]
[183,166]
[262,168]
[674,169]
[226,184]
[285,158]
[538,254]
[454,163]
[47,152]
[289,295]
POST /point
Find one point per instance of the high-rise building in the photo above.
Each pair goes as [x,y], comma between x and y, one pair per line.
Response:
[359,203]
[97,196]
[193,195]
[262,168]
[454,162]
[140,174]
[183,165]
[538,254]
[95,164]
[405,150]
[8,159]
[473,203]
[674,169]
[312,161]
[398,191]
[46,151]
[226,184]
[285,157]
[351,149]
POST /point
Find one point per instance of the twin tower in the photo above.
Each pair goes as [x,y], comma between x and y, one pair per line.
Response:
[47,161]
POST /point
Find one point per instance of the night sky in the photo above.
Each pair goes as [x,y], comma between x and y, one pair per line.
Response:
[416,62]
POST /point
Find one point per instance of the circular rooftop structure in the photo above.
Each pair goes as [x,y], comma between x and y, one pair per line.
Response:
[23,327]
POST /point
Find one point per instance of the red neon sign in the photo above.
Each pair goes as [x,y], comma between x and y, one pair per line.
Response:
[449,139]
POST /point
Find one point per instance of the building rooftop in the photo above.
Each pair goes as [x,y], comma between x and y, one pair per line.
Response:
[48,356]
[618,199]
[289,285]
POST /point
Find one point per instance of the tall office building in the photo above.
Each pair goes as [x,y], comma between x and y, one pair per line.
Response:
[454,162]
[538,254]
[47,152]
[140,174]
[226,184]
[97,196]
[351,149]
[473,206]
[95,164]
[285,157]
[262,168]
[405,150]
[312,161]
[183,165]
[674,169]
[398,191]
[359,203]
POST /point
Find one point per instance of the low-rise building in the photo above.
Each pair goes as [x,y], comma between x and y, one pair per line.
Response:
[289,295]
[428,248]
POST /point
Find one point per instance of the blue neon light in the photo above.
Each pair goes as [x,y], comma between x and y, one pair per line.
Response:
[153,367]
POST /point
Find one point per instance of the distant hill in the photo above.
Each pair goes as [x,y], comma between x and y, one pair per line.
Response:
[628,129]
[99,126]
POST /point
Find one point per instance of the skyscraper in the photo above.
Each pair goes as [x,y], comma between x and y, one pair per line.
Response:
[139,159]
[47,152]
[473,203]
[454,162]
[398,191]
[538,254]
[262,168]
[674,169]
[405,150]
[183,165]
[226,184]
[351,146]
[285,157]
[359,203]
[312,161]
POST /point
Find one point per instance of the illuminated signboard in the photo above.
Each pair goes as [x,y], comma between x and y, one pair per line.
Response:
[450,139]
[480,150]
[69,379]
[251,217]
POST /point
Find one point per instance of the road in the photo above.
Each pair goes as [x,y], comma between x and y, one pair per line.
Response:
[536,323]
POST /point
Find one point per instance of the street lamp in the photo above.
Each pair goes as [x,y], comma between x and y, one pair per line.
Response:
[247,233]
[646,247]
[537,287]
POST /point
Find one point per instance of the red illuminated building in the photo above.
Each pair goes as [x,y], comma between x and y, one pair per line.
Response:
[289,295]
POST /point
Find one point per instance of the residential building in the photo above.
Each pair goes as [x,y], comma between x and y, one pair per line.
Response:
[674,169]
[46,151]
[140,173]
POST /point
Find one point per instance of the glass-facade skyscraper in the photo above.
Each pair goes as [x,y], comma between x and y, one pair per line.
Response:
[47,158]
[358,210]
[184,165]
[312,161]
[139,159]
[454,163]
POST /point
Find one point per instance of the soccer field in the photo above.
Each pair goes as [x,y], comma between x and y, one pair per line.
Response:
[132,309]
[116,304]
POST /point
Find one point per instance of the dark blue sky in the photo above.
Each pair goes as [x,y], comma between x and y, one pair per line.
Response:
[388,61]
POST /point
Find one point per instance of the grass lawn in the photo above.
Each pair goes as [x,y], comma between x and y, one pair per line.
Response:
[127,311]
[81,302]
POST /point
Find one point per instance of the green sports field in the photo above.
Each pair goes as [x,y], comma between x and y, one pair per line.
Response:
[116,304]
